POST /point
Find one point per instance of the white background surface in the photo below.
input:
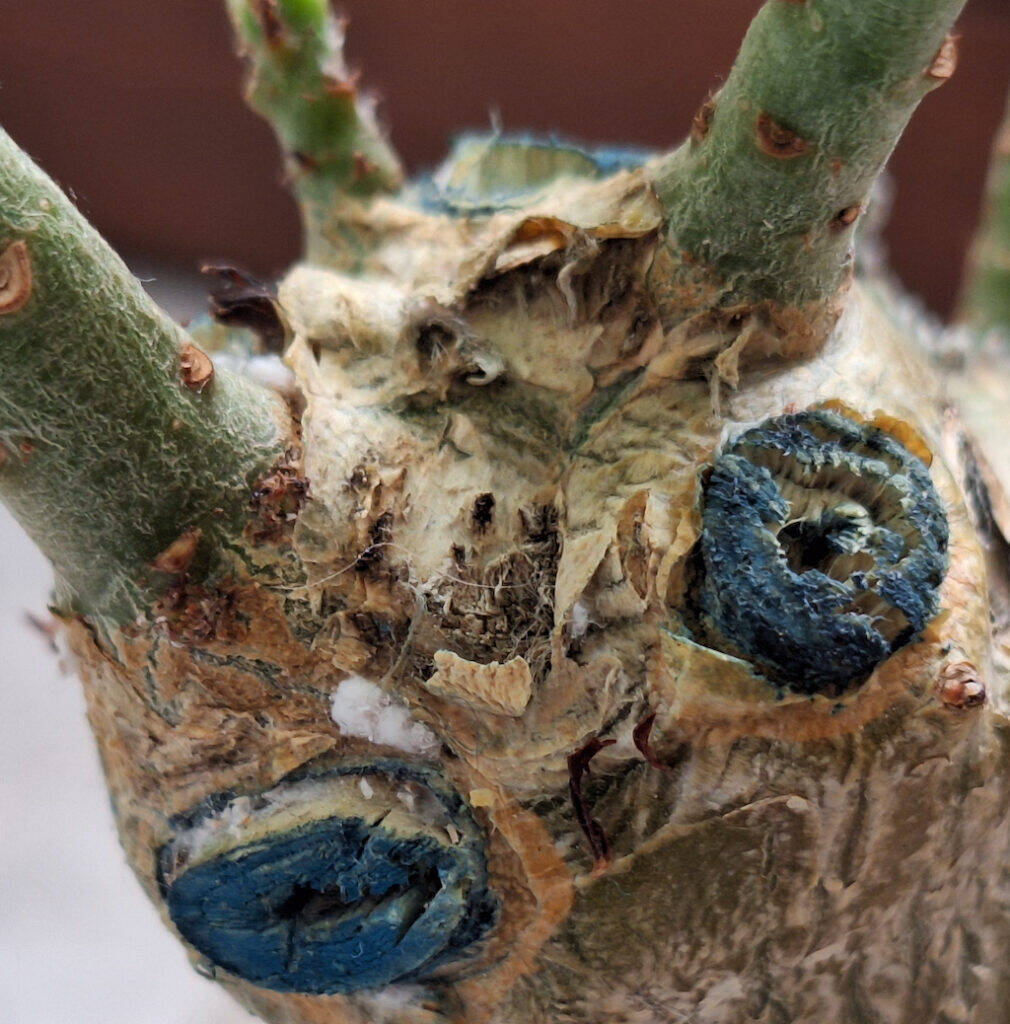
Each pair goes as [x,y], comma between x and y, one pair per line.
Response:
[79,942]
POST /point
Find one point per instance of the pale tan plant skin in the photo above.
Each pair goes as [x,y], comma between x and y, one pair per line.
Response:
[484,495]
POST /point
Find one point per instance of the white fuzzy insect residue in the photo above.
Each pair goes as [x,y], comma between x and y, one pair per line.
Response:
[267,370]
[390,1004]
[360,708]
[580,620]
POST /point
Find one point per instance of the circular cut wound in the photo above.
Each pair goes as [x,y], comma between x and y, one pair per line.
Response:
[331,884]
[824,543]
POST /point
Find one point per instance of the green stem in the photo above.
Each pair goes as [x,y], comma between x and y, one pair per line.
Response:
[765,196]
[107,455]
[986,300]
[298,81]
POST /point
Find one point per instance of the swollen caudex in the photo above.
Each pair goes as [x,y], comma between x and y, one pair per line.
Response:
[349,880]
[475,555]
[823,547]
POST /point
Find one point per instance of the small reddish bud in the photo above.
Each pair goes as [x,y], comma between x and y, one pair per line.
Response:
[945,62]
[960,686]
[363,167]
[268,15]
[344,88]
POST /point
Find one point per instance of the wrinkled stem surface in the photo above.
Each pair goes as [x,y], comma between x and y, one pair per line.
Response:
[112,443]
[299,82]
[767,192]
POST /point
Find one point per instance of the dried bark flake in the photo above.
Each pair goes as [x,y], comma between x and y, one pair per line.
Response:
[278,497]
[960,686]
[702,122]
[196,368]
[778,141]
[239,300]
[15,277]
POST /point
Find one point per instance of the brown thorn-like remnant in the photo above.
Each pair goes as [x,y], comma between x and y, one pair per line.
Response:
[270,21]
[578,769]
[48,628]
[239,300]
[15,277]
[945,62]
[363,167]
[195,366]
[178,556]
[641,736]
[482,512]
[191,614]
[307,163]
[702,122]
[847,217]
[777,141]
[960,686]
[343,88]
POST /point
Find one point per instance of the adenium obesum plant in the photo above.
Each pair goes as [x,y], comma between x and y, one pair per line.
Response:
[604,617]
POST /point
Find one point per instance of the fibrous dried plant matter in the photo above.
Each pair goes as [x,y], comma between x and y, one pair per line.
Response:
[603,615]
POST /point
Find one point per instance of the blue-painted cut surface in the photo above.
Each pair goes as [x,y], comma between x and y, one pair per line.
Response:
[798,627]
[488,173]
[336,906]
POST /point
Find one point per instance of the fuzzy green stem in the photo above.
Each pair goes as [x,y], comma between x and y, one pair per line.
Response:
[765,196]
[107,454]
[298,81]
[986,300]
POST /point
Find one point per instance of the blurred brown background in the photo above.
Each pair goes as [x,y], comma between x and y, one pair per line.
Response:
[136,108]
